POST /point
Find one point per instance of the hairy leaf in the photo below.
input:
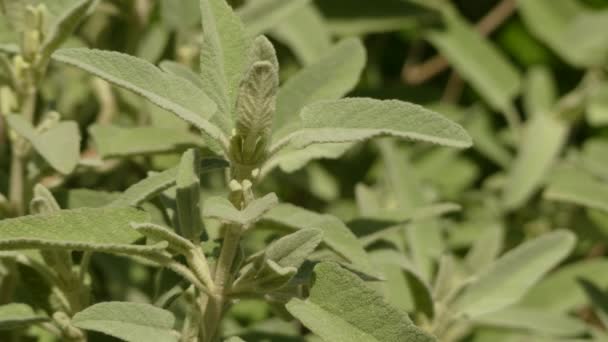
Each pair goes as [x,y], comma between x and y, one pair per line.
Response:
[65,25]
[508,279]
[133,322]
[259,16]
[572,184]
[342,308]
[188,196]
[163,89]
[221,209]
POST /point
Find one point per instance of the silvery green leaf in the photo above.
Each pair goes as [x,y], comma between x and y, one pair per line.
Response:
[560,291]
[292,159]
[181,71]
[180,15]
[165,90]
[358,119]
[293,249]
[223,57]
[156,183]
[263,50]
[572,184]
[335,233]
[534,320]
[341,307]
[543,139]
[43,201]
[221,209]
[509,278]
[86,229]
[262,15]
[64,25]
[114,141]
[486,248]
[597,106]
[477,60]
[133,322]
[153,43]
[188,196]
[17,315]
[256,103]
[330,78]
[59,145]
[160,233]
[305,33]
[540,92]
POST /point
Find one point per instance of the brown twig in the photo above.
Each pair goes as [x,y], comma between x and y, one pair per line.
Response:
[420,73]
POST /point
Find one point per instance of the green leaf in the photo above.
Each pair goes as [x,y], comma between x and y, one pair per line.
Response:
[64,26]
[85,229]
[180,15]
[543,139]
[597,106]
[540,92]
[293,249]
[357,119]
[477,60]
[182,71]
[262,15]
[220,208]
[160,233]
[560,290]
[115,141]
[188,196]
[59,145]
[305,33]
[335,233]
[486,248]
[133,322]
[17,315]
[533,320]
[330,78]
[359,17]
[342,308]
[223,57]
[163,89]
[292,159]
[508,279]
[571,184]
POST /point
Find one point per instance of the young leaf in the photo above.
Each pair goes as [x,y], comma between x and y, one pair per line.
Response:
[477,60]
[223,57]
[77,229]
[335,233]
[59,145]
[64,26]
[357,119]
[17,315]
[164,90]
[221,209]
[305,33]
[511,276]
[330,78]
[293,249]
[188,196]
[132,322]
[342,308]
[160,233]
[115,141]
[259,16]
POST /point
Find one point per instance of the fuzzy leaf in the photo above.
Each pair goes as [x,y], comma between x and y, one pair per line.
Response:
[17,315]
[335,233]
[342,308]
[59,146]
[160,233]
[305,33]
[477,61]
[293,159]
[132,322]
[221,209]
[139,76]
[181,71]
[357,119]
[115,141]
[261,15]
[330,78]
[223,57]
[188,196]
[510,277]
[293,249]
[65,25]
[87,229]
